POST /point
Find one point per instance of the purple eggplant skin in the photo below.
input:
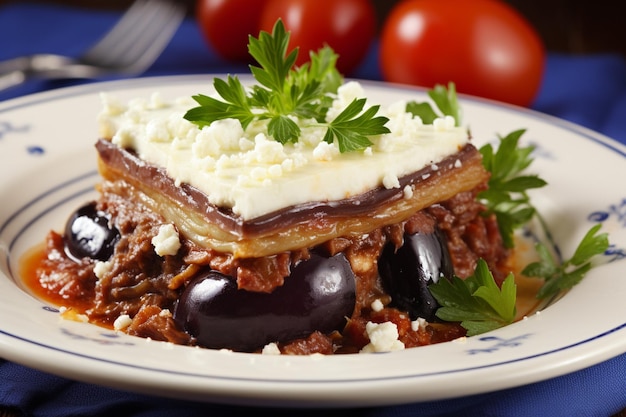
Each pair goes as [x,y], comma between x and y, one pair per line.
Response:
[319,294]
[89,233]
[406,272]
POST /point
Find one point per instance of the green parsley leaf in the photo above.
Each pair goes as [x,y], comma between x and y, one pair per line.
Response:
[422,110]
[235,104]
[507,195]
[446,101]
[563,276]
[270,51]
[321,69]
[352,130]
[284,94]
[283,129]
[476,302]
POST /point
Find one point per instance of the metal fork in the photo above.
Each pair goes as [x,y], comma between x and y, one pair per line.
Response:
[129,48]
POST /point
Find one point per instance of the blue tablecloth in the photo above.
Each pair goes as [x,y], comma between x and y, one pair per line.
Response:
[589,90]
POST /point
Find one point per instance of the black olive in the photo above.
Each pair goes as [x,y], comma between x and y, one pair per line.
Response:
[318,295]
[90,234]
[406,272]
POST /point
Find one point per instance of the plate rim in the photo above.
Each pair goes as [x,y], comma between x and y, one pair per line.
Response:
[116,85]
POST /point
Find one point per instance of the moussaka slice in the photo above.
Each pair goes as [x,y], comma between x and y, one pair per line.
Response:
[256,231]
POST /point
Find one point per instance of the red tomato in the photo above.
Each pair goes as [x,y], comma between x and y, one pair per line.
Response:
[226,24]
[484,46]
[347,26]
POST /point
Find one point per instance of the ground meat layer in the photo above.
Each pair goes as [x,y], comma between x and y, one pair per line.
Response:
[145,286]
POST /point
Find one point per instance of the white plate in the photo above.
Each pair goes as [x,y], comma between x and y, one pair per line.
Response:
[48,169]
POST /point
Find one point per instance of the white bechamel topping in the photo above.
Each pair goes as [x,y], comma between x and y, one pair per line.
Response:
[255,175]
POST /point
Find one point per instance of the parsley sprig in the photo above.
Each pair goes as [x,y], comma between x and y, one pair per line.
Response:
[564,275]
[285,93]
[480,305]
[477,301]
[446,101]
[507,196]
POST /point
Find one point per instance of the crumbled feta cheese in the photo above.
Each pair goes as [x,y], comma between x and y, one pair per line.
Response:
[100,269]
[111,107]
[275,170]
[156,131]
[377,305]
[270,349]
[167,241]
[444,123]
[458,163]
[408,191]
[267,151]
[122,322]
[391,181]
[156,101]
[325,151]
[346,94]
[258,173]
[219,138]
[383,337]
[418,324]
[287,165]
[165,313]
[124,137]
